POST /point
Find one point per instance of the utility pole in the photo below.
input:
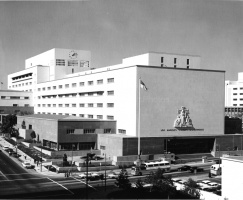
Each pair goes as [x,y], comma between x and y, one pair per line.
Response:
[41,158]
[87,162]
[105,172]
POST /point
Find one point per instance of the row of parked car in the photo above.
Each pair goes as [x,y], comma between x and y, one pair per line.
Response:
[190,168]
[100,176]
[11,152]
[204,185]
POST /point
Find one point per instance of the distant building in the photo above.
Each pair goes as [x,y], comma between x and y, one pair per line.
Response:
[15,102]
[232,177]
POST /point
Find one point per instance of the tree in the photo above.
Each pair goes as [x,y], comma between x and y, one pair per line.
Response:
[33,135]
[191,188]
[122,181]
[161,183]
[8,124]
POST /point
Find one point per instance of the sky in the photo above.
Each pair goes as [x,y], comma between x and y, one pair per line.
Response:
[116,29]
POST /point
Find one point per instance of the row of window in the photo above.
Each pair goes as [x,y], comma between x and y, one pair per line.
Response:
[74,105]
[21,84]
[237,88]
[81,84]
[236,104]
[25,105]
[22,76]
[233,109]
[110,117]
[80,63]
[241,99]
[236,93]
[86,131]
[109,93]
[175,62]
[13,97]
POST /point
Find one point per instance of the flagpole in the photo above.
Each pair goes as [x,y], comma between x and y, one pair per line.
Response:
[139,85]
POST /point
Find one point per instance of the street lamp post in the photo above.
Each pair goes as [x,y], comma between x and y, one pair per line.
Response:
[41,158]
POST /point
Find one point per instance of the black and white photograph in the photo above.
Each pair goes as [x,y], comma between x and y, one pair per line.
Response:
[121,99]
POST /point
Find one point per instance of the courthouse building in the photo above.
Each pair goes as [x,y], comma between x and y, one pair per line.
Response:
[178,105]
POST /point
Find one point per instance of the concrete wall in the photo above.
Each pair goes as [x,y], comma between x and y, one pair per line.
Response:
[46,129]
[202,92]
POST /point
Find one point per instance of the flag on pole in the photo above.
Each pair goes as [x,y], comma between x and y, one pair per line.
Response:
[142,85]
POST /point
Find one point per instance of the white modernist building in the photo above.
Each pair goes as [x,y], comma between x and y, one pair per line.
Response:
[232,177]
[234,92]
[181,98]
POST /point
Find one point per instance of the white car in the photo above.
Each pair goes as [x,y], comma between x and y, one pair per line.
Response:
[176,179]
[182,182]
[213,184]
[5,148]
[27,165]
[112,175]
[90,175]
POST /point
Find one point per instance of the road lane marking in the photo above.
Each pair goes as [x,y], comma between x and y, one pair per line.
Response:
[84,183]
[4,175]
[60,185]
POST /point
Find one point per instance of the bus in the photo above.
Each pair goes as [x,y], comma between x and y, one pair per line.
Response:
[215,170]
[147,167]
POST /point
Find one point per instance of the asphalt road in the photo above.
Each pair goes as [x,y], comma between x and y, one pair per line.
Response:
[18,182]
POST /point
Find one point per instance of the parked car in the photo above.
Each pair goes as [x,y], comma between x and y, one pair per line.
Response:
[182,182]
[27,165]
[112,175]
[14,154]
[10,151]
[90,176]
[176,180]
[184,168]
[145,185]
[5,148]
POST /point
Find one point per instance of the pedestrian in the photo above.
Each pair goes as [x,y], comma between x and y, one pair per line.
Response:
[69,172]
[37,162]
[25,157]
[34,160]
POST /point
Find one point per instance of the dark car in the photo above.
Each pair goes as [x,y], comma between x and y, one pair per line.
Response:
[10,151]
[14,154]
[184,168]
[196,169]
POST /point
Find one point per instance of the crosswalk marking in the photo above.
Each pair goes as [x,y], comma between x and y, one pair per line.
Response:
[60,185]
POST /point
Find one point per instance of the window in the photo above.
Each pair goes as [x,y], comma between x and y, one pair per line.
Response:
[234,88]
[99,93]
[66,105]
[26,83]
[59,105]
[26,97]
[26,105]
[234,104]
[72,70]
[43,89]
[66,95]
[90,82]
[74,84]
[38,105]
[66,114]
[89,131]
[241,104]
[107,130]
[3,97]
[30,83]
[90,116]
[241,88]
[14,97]
[102,147]
[54,113]
[74,105]
[110,105]
[66,85]
[241,99]
[49,105]
[175,59]
[234,99]
[54,87]
[162,60]
[241,93]
[100,105]
[81,105]
[60,86]
[81,115]
[81,84]
[49,88]
[110,92]
[110,80]
[72,63]
[99,116]
[60,62]
[74,95]
[90,94]
[90,105]
[70,131]
[100,81]
[84,63]
[187,62]
[54,105]
[122,131]
[234,93]
[43,105]
[110,117]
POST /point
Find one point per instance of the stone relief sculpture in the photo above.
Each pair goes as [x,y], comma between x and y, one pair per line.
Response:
[183,119]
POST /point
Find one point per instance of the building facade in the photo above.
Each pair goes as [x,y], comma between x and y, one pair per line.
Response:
[181,100]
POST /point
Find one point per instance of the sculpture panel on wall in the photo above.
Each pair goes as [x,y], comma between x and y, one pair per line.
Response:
[183,120]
